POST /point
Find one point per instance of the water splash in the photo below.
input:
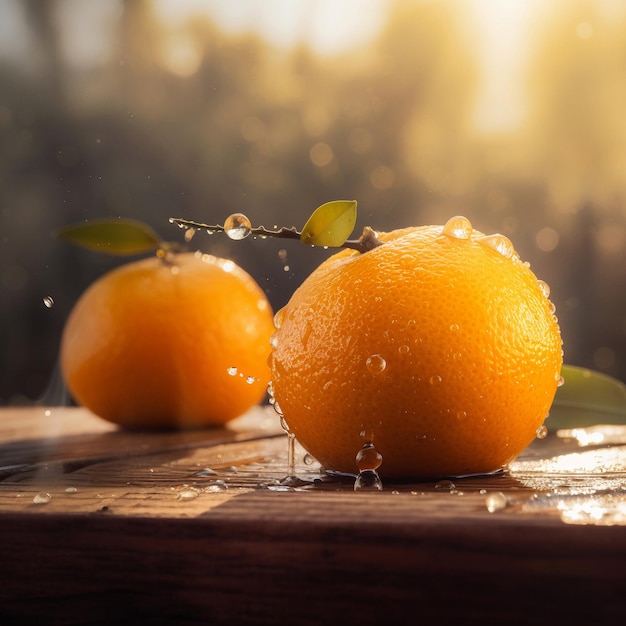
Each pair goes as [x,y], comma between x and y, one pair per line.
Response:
[48,302]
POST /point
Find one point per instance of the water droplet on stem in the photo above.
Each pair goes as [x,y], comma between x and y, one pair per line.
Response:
[237,226]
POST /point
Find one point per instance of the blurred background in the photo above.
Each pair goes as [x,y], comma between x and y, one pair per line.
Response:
[510,112]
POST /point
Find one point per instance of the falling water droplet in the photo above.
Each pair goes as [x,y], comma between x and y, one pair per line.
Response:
[48,302]
[42,498]
[376,364]
[291,455]
[458,227]
[237,226]
[496,502]
[542,432]
[368,460]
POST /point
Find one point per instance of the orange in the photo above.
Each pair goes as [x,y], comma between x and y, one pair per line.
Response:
[163,343]
[440,347]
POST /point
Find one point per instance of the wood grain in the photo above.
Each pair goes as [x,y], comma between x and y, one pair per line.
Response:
[137,530]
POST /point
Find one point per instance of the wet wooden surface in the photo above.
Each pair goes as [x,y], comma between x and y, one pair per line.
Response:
[102,526]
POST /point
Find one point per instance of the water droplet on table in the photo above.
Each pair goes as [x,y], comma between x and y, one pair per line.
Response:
[207,471]
[496,502]
[445,484]
[217,486]
[42,498]
[188,494]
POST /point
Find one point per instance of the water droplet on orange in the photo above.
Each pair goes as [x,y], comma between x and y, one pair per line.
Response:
[545,288]
[458,227]
[501,244]
[376,364]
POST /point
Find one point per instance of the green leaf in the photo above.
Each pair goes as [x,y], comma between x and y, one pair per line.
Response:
[121,237]
[587,398]
[330,224]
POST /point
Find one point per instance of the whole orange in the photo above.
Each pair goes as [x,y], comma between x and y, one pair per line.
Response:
[174,342]
[439,346]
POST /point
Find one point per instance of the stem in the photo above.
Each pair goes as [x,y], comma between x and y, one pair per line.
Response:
[367,241]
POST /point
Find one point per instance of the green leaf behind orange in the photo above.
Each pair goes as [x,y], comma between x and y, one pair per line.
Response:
[587,398]
[117,237]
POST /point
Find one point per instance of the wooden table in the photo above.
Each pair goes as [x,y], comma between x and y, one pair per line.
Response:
[102,526]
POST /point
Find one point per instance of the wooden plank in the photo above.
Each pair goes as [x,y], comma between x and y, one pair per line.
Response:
[138,528]
[310,558]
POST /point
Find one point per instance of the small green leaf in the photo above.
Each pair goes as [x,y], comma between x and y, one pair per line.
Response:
[330,224]
[121,237]
[587,398]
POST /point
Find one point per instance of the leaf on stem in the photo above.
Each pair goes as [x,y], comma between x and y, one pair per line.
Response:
[119,237]
[587,398]
[330,224]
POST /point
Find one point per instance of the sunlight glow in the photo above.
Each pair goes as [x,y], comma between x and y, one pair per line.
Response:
[503,30]
[327,26]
